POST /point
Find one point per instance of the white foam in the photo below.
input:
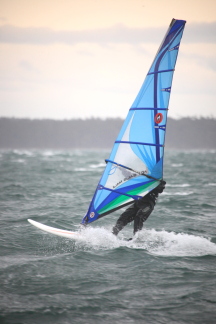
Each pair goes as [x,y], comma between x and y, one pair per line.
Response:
[211,184]
[48,153]
[184,193]
[81,169]
[183,185]
[89,169]
[176,244]
[23,152]
[100,239]
[96,166]
[160,243]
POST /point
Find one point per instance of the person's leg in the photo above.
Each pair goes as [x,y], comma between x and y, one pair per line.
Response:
[126,217]
[141,216]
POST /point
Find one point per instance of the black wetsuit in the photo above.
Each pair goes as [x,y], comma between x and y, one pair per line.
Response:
[139,211]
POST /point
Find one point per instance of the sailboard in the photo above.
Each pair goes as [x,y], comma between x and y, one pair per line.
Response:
[55,231]
[135,164]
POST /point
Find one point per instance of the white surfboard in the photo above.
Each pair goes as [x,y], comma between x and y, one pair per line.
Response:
[56,231]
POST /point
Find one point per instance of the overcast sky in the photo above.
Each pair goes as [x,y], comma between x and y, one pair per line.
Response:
[66,59]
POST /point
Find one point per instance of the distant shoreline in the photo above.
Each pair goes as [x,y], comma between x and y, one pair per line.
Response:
[96,133]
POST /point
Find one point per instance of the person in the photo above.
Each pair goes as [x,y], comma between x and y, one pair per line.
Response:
[139,211]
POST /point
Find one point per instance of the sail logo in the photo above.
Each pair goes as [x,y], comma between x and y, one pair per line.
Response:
[166,89]
[92,215]
[125,179]
[174,48]
[158,118]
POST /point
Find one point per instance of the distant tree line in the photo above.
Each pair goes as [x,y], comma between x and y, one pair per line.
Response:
[184,133]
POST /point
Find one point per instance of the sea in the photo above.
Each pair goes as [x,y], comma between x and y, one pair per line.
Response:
[166,274]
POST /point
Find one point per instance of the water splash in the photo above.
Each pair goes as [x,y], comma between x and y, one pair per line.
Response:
[160,243]
[165,243]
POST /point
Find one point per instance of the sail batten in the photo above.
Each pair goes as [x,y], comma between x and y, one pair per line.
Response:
[119,192]
[147,108]
[140,143]
[162,71]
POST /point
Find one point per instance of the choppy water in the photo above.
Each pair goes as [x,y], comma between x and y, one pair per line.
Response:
[165,275]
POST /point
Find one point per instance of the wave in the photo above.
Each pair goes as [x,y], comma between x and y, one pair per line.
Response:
[165,243]
[99,165]
[211,184]
[24,152]
[81,169]
[161,243]
[20,161]
[91,168]
[183,185]
[185,193]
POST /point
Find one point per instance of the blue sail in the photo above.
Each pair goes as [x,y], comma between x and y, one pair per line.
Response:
[135,165]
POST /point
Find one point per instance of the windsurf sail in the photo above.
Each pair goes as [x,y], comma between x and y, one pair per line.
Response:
[135,165]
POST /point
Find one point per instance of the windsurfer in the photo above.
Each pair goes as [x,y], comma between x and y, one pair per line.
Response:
[139,211]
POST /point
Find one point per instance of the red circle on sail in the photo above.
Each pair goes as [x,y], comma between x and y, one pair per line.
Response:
[158,118]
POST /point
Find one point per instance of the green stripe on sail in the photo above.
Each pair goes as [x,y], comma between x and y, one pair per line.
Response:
[113,204]
[122,199]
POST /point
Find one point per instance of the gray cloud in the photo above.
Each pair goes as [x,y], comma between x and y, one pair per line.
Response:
[27,66]
[194,33]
